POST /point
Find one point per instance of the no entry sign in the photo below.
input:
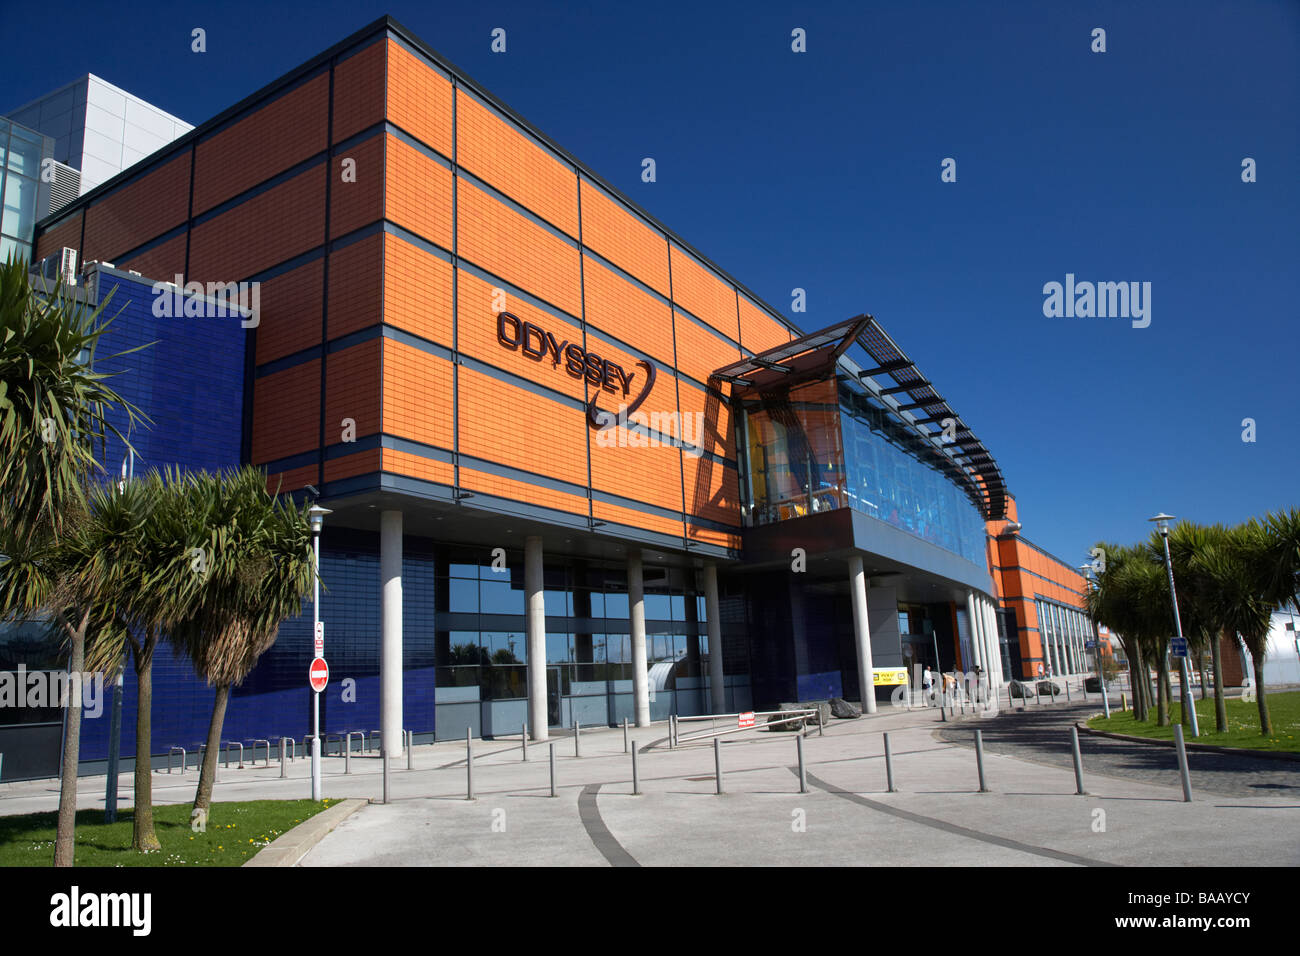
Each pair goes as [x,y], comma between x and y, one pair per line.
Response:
[318,675]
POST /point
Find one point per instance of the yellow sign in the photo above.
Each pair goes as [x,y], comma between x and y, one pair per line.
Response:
[888,676]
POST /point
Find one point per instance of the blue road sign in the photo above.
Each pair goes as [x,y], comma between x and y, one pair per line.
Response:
[1178,647]
[1090,645]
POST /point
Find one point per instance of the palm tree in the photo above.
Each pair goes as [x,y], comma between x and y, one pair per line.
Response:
[54,416]
[1186,541]
[158,569]
[1236,569]
[259,568]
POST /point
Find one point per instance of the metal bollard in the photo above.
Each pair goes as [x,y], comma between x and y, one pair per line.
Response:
[347,755]
[524,738]
[636,780]
[284,767]
[943,707]
[1182,763]
[979,760]
[717,762]
[577,738]
[889,767]
[820,728]
[1078,762]
[1067,691]
[552,769]
[803,772]
[469,767]
[410,746]
[672,731]
[383,759]
[624,735]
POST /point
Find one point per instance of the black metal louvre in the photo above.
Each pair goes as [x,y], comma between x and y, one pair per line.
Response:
[968,459]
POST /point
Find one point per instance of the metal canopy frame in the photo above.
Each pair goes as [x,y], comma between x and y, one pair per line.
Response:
[965,457]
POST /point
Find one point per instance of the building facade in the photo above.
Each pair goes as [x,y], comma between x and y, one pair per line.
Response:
[576,471]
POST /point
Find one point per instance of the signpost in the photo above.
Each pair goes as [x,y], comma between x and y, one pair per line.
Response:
[318,675]
[1178,647]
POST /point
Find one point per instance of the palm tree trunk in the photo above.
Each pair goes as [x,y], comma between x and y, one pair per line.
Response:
[65,832]
[1265,725]
[208,774]
[1205,675]
[1135,684]
[143,837]
[1220,708]
[1185,698]
[1162,695]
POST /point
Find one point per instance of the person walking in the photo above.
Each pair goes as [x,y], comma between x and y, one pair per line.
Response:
[928,680]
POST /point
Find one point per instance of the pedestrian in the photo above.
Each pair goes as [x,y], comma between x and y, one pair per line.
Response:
[928,680]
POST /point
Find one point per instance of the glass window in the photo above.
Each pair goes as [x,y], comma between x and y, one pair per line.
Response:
[558,603]
[616,605]
[498,597]
[24,153]
[462,596]
[658,607]
[19,206]
[504,647]
[559,648]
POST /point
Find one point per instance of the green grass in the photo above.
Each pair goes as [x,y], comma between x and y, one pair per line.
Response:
[1243,723]
[235,832]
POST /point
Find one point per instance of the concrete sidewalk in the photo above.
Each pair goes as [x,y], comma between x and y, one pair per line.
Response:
[1032,816]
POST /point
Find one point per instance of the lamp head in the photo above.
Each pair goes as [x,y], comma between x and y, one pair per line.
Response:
[316,514]
[1162,522]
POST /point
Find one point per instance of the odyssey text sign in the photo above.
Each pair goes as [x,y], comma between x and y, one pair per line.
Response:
[538,344]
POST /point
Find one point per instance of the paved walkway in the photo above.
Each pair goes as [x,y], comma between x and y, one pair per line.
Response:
[1134,815]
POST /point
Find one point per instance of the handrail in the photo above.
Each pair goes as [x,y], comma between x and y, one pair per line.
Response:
[788,717]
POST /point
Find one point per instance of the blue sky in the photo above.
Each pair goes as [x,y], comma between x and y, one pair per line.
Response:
[821,171]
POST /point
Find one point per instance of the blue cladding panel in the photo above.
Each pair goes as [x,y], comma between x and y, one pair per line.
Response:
[190,382]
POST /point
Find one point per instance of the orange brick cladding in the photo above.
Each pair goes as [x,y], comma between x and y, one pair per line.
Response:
[417,395]
[419,193]
[268,229]
[66,234]
[623,239]
[419,98]
[513,163]
[359,91]
[286,412]
[508,244]
[139,211]
[704,295]
[512,426]
[389,387]
[271,139]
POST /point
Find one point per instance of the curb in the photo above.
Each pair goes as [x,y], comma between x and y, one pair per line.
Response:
[288,848]
[1205,748]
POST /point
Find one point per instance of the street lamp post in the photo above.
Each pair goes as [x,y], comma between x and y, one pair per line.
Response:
[1086,570]
[317,516]
[1162,522]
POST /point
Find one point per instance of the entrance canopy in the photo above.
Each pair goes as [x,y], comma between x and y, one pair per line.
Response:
[817,355]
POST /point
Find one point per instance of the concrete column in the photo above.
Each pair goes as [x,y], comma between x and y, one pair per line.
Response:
[975,626]
[717,684]
[390,629]
[995,645]
[535,626]
[992,654]
[862,633]
[640,672]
